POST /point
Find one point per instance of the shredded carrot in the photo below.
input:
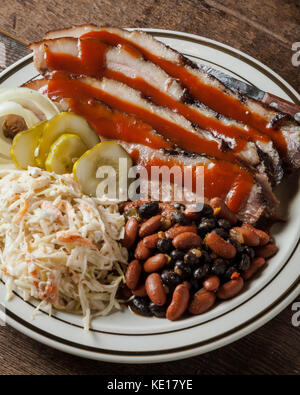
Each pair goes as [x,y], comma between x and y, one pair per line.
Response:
[74,238]
[22,212]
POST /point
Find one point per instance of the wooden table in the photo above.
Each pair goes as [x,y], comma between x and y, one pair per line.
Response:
[265,30]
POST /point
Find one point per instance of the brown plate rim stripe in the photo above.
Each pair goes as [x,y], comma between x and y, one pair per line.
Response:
[170,331]
[156,352]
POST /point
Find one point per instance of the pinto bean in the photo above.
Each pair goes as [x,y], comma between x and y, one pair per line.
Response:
[131,231]
[133,274]
[151,241]
[211,283]
[155,289]
[222,210]
[264,238]
[140,291]
[155,263]
[187,240]
[141,252]
[150,226]
[256,264]
[220,246]
[266,251]
[250,237]
[192,213]
[201,302]
[231,288]
[176,230]
[179,303]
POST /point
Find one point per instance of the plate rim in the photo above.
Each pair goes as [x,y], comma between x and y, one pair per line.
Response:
[291,293]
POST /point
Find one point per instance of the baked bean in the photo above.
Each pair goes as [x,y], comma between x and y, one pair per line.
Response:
[222,211]
[187,240]
[179,303]
[141,252]
[266,251]
[150,226]
[151,241]
[176,230]
[130,234]
[201,302]
[212,283]
[249,236]
[256,264]
[231,288]
[140,290]
[264,238]
[192,213]
[220,246]
[133,274]
[155,289]
[155,263]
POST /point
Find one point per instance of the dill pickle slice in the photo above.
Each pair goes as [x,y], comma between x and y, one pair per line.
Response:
[64,123]
[24,146]
[64,152]
[86,169]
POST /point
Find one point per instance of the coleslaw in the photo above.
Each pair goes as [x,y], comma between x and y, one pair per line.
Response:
[59,245]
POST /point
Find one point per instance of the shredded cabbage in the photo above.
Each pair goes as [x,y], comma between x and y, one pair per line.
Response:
[58,245]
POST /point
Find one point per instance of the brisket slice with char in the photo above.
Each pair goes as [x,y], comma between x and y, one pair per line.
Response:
[255,151]
[284,131]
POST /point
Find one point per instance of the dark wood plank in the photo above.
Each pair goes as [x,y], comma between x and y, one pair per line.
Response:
[273,349]
[265,30]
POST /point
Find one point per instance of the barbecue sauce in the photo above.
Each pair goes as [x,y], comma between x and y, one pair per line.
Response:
[207,94]
[189,141]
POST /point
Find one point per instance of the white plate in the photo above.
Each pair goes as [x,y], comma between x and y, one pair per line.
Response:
[125,337]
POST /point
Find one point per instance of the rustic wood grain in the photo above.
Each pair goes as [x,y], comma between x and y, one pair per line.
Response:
[264,29]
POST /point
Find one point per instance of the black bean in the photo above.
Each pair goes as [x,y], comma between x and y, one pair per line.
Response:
[229,272]
[244,263]
[158,311]
[140,305]
[201,272]
[238,246]
[164,245]
[205,257]
[206,225]
[191,259]
[195,285]
[223,223]
[180,264]
[221,232]
[219,267]
[179,218]
[177,255]
[207,211]
[182,270]
[170,278]
[249,251]
[149,209]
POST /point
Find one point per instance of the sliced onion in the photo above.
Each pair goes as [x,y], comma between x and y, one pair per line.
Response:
[39,104]
[9,108]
